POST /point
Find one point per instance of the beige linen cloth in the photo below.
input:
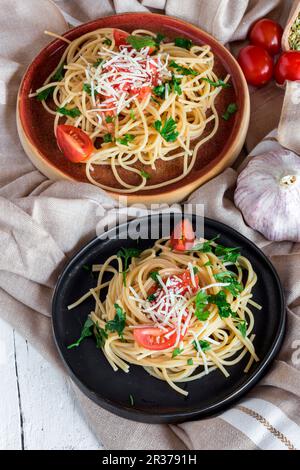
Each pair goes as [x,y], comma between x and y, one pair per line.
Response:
[42,223]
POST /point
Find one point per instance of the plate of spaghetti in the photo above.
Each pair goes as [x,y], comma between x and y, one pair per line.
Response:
[172,328]
[135,111]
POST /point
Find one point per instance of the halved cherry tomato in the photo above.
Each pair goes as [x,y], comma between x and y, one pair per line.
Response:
[288,67]
[120,37]
[267,34]
[153,338]
[256,64]
[183,237]
[74,143]
[142,93]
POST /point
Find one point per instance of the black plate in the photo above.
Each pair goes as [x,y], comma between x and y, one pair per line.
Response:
[154,400]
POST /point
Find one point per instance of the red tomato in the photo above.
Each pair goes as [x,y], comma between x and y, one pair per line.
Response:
[267,34]
[183,237]
[142,93]
[74,143]
[120,37]
[153,338]
[288,67]
[256,64]
[187,281]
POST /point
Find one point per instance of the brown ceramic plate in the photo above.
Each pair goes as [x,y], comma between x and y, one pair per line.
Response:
[35,125]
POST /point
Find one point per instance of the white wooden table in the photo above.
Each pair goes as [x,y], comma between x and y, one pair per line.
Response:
[37,407]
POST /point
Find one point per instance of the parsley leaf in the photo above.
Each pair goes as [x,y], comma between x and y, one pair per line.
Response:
[109,119]
[219,83]
[190,362]
[234,286]
[159,38]
[73,112]
[126,254]
[144,174]
[220,301]
[138,42]
[201,302]
[175,84]
[182,70]
[242,327]
[107,138]
[195,270]
[231,109]
[126,139]
[154,275]
[159,90]
[118,323]
[205,247]
[204,345]
[183,42]
[167,131]
[85,332]
[151,297]
[101,336]
[98,62]
[88,89]
[132,115]
[57,77]
[208,263]
[228,254]
[176,352]
[107,42]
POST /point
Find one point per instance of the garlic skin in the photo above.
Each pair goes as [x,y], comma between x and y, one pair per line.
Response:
[268,195]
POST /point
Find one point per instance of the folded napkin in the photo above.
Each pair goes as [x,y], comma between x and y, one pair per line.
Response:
[42,223]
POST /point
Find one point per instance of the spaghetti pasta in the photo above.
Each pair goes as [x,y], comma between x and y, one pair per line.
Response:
[138,105]
[180,315]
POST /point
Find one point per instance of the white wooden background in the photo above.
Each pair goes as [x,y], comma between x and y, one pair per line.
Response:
[37,407]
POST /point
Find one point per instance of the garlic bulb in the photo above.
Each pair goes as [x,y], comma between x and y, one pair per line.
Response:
[268,195]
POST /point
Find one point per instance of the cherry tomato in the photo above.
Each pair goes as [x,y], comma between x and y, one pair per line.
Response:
[267,34]
[142,92]
[74,143]
[288,67]
[256,64]
[187,281]
[183,237]
[154,338]
[120,37]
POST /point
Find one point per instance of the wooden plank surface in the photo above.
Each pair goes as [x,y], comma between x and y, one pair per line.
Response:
[38,409]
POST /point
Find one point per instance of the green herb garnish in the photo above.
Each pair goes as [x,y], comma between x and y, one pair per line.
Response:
[98,62]
[183,42]
[175,84]
[57,77]
[205,247]
[159,38]
[159,90]
[167,130]
[176,352]
[242,327]
[227,254]
[151,297]
[204,345]
[231,109]
[220,301]
[201,301]
[85,333]
[101,336]
[88,89]
[195,270]
[219,83]
[182,70]
[126,254]
[228,277]
[126,139]
[72,112]
[109,119]
[107,42]
[144,174]
[107,138]
[155,100]
[208,263]
[190,362]
[154,275]
[132,115]
[139,42]
[118,323]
